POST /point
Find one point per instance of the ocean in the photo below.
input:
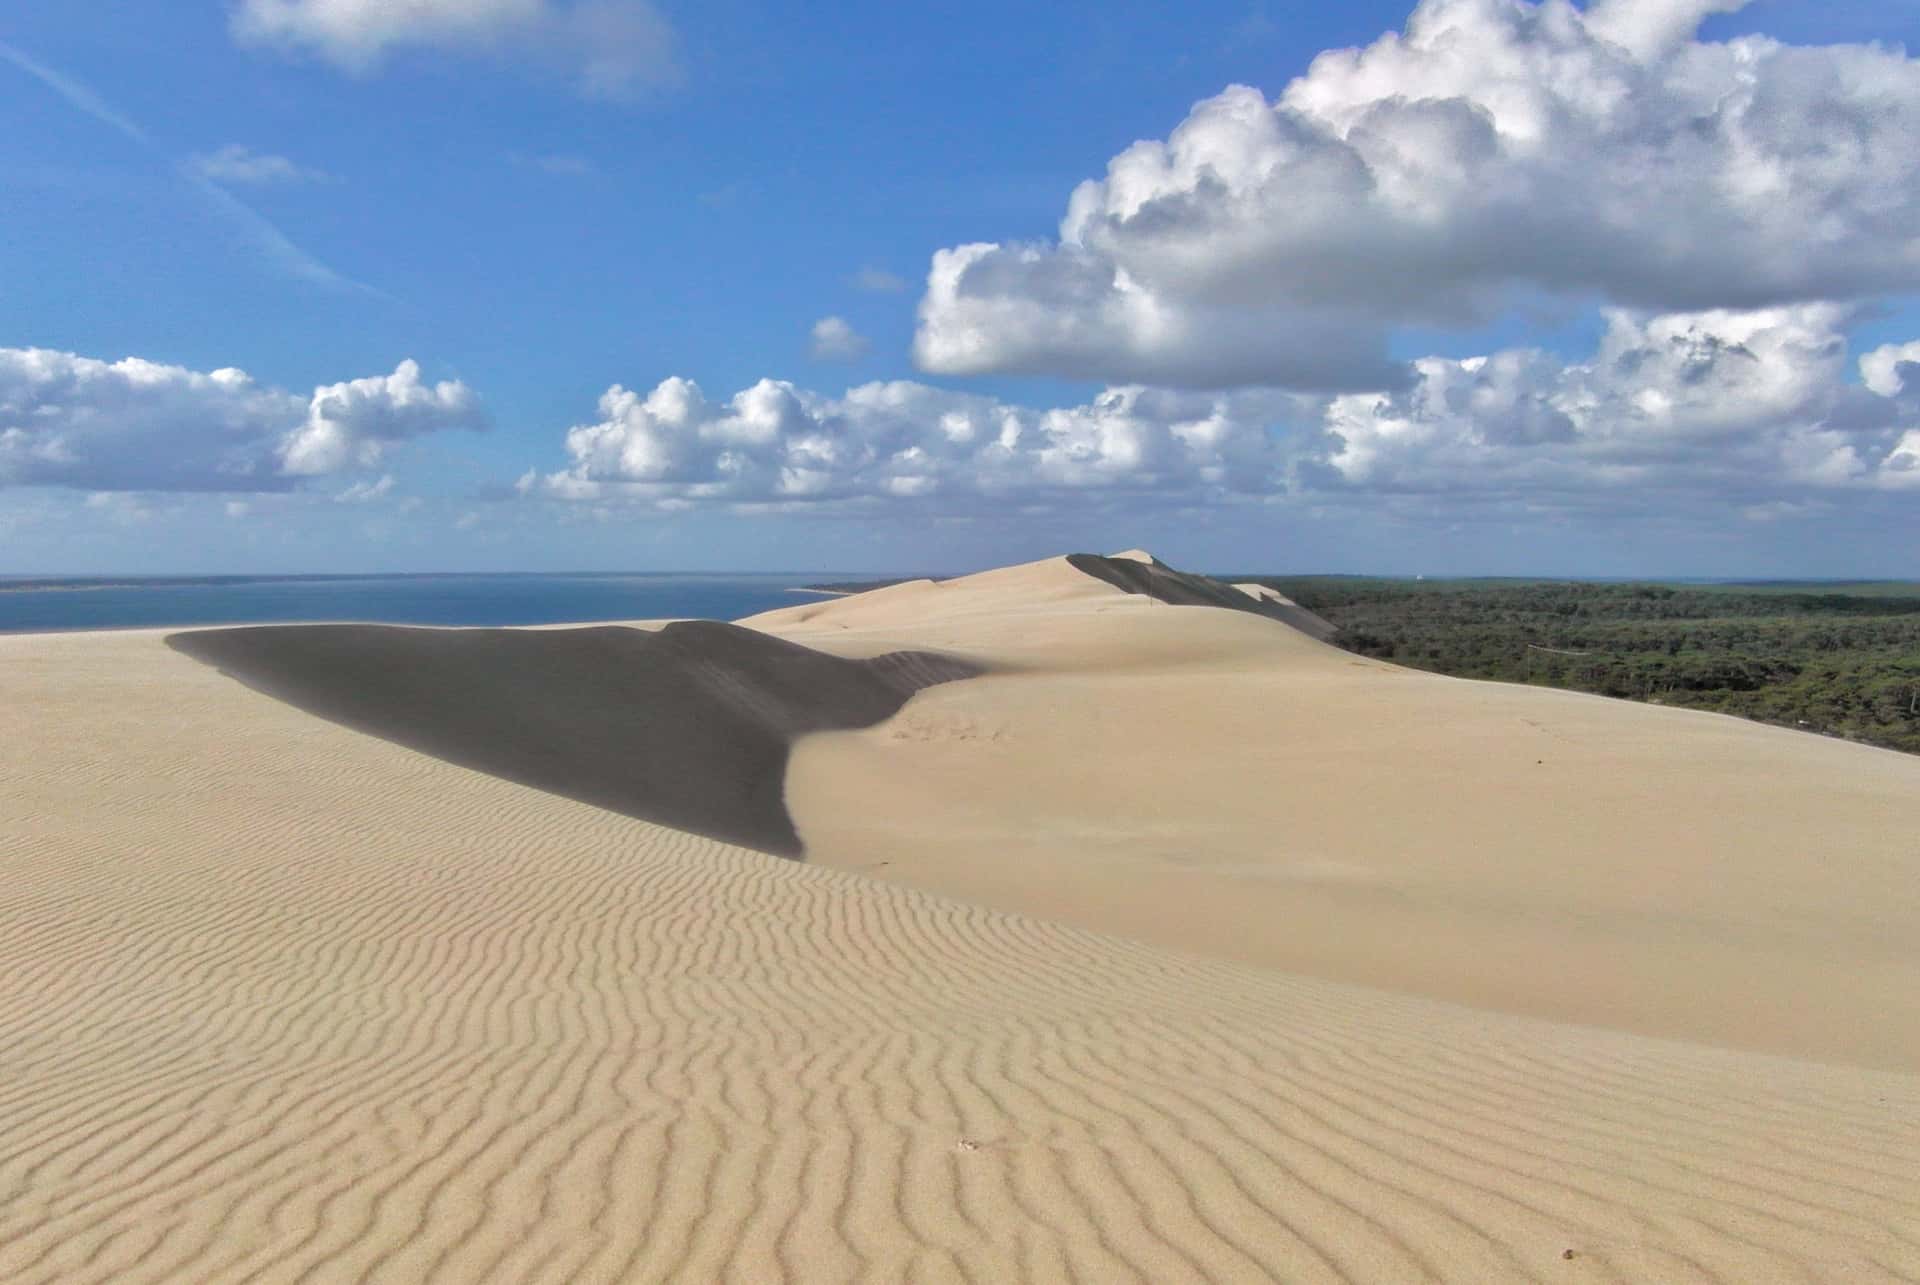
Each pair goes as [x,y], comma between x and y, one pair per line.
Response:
[40,605]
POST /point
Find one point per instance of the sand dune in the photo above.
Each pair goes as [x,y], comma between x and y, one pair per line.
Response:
[286,1002]
[1213,781]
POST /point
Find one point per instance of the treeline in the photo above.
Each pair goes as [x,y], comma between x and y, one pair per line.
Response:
[1841,663]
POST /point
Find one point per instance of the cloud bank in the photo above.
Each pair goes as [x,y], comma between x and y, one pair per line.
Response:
[1739,407]
[774,443]
[1732,405]
[136,425]
[1494,152]
[609,48]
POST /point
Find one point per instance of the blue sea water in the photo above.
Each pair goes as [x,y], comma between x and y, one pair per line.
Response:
[522,599]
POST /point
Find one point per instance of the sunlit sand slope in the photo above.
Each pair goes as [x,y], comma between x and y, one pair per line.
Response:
[280,1001]
[1218,782]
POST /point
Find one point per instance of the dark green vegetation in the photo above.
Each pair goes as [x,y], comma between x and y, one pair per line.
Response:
[1842,659]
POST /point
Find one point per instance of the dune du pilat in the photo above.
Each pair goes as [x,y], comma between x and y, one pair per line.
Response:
[1138,933]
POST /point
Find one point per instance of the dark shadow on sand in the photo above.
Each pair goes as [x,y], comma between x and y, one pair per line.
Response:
[689,726]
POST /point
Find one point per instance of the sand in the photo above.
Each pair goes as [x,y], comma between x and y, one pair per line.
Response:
[687,724]
[287,1002]
[1213,781]
[1137,571]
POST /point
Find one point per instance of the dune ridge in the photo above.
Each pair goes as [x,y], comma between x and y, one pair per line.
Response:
[1215,781]
[688,724]
[285,1002]
[1138,571]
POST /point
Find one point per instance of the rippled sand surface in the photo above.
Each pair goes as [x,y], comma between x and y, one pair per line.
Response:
[280,1001]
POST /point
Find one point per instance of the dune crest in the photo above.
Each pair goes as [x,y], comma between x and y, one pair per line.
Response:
[1217,781]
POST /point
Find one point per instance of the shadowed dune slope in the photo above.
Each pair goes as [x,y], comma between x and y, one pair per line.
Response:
[688,725]
[286,1003]
[1214,781]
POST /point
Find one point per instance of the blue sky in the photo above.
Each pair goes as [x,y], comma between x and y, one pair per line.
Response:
[184,190]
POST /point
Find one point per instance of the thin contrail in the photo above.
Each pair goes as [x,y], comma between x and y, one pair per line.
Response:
[271,241]
[268,239]
[75,93]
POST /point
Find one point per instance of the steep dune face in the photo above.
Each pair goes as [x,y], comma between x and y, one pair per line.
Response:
[688,725]
[288,1003]
[1217,782]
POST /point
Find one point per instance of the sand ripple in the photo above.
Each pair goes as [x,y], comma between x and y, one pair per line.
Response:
[287,1003]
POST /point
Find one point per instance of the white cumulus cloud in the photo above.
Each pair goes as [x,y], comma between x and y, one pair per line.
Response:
[1036,310]
[1758,408]
[608,47]
[354,424]
[1891,367]
[774,443]
[1726,404]
[1494,151]
[137,425]
[833,339]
